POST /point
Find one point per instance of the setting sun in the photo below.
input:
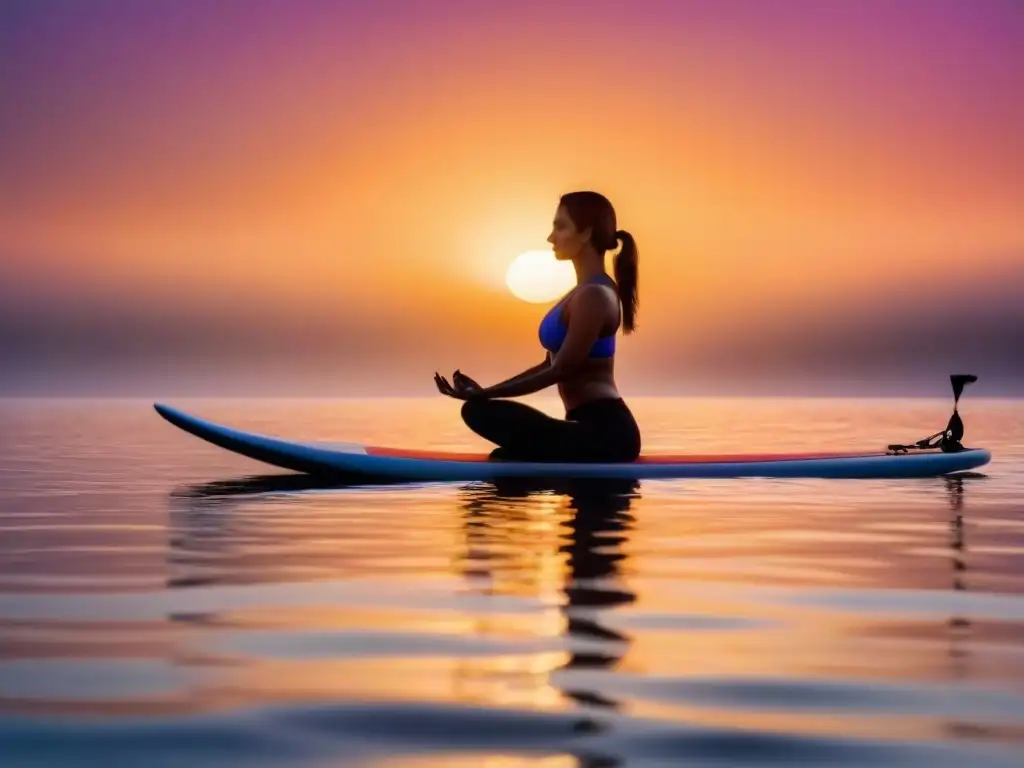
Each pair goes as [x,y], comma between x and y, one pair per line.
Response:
[537,277]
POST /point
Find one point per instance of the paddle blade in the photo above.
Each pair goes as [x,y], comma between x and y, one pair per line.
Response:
[959,381]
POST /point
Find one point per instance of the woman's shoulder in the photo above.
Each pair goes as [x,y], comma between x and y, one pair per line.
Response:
[596,295]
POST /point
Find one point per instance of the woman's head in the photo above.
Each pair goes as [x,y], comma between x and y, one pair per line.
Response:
[586,221]
[582,219]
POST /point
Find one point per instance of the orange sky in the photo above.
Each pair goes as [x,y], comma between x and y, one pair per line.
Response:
[384,166]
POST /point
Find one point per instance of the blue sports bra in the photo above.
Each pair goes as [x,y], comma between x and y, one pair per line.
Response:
[553,329]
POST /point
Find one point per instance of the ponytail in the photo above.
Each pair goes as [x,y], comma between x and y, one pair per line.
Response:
[626,276]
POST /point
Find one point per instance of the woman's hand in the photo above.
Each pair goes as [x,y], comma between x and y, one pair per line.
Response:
[464,388]
[462,382]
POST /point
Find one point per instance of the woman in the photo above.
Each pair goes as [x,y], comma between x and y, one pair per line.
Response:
[578,334]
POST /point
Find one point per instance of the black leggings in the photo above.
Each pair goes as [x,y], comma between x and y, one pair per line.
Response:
[598,431]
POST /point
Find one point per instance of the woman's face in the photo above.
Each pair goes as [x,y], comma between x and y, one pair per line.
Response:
[565,240]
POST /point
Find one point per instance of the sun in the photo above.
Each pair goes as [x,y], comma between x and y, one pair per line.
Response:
[538,277]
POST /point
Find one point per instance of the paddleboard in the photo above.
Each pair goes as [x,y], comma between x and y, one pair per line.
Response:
[370,462]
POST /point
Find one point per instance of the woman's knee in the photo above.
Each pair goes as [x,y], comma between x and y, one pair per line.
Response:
[500,421]
[473,411]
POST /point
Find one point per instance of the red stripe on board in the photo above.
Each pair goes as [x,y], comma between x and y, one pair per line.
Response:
[405,453]
[713,458]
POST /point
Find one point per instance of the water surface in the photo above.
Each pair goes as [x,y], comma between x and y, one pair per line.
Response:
[165,602]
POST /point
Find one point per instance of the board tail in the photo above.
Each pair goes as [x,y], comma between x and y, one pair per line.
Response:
[949,439]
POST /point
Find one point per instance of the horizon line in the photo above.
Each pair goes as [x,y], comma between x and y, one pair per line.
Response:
[364,398]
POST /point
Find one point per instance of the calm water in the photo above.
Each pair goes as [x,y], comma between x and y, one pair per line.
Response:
[163,602]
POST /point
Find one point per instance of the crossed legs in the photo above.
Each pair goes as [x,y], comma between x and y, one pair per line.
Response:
[523,433]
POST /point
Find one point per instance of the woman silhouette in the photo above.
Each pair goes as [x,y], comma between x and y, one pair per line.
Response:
[578,335]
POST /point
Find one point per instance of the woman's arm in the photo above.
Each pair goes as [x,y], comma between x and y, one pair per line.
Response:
[588,312]
[525,384]
[525,374]
[465,388]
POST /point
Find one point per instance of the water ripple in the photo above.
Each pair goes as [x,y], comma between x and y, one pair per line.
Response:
[160,604]
[363,731]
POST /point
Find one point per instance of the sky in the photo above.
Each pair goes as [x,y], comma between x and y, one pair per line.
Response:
[322,198]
